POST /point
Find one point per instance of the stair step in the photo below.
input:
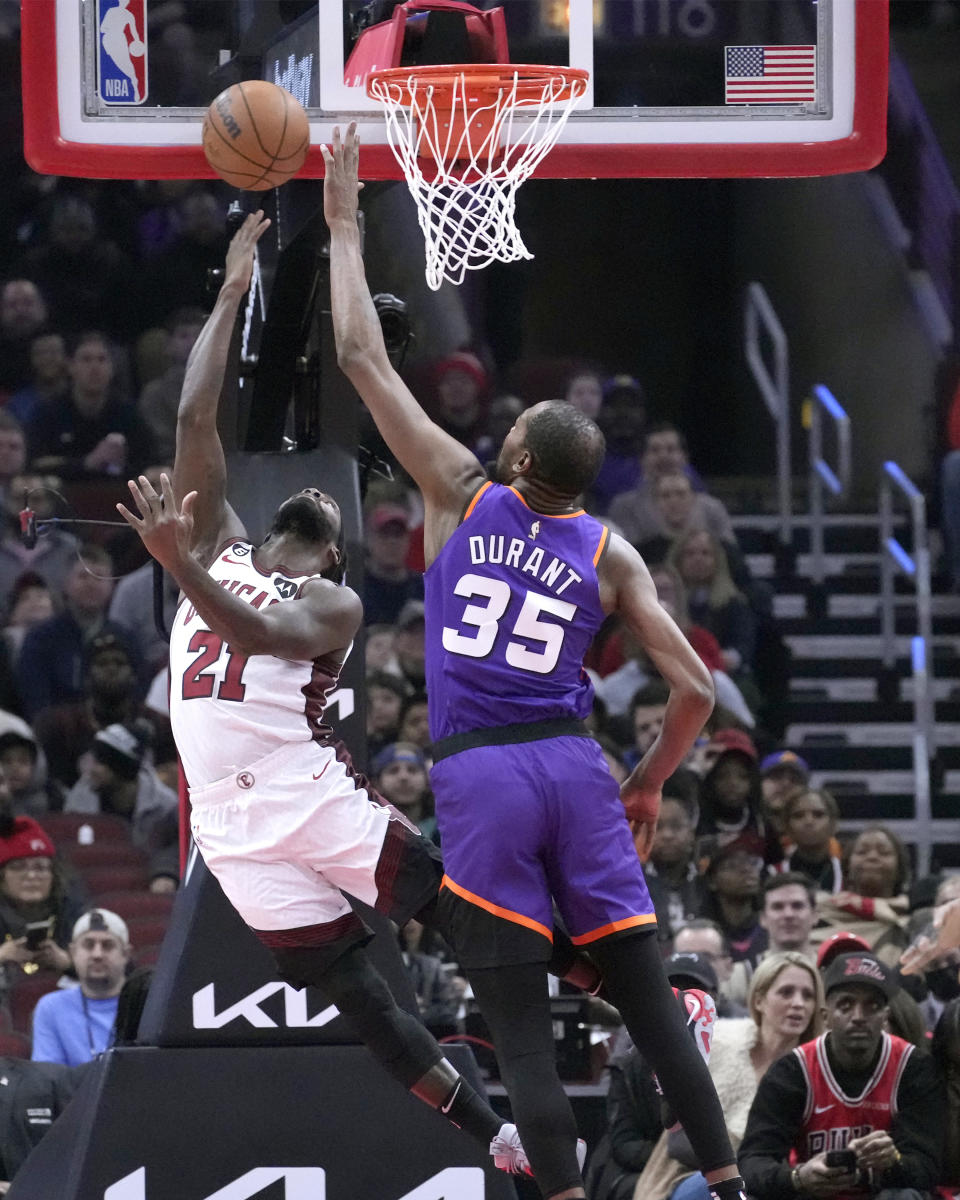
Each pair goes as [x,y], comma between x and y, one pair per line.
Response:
[842,757]
[862,646]
[944,665]
[820,711]
[845,782]
[842,537]
[804,689]
[794,605]
[857,734]
[863,581]
[904,622]
[762,566]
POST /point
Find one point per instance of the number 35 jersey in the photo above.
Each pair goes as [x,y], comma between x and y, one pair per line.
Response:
[512,605]
[227,710]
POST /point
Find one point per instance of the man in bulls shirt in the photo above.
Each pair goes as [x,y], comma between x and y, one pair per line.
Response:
[862,1111]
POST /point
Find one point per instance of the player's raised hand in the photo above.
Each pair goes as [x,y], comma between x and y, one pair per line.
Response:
[242,248]
[341,183]
[165,531]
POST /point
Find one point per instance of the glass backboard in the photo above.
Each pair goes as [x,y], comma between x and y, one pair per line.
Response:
[683,88]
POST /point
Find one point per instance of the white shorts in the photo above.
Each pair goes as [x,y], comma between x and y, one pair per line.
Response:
[289,834]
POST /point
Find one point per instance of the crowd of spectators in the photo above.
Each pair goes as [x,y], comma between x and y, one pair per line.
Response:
[746,869]
[102,295]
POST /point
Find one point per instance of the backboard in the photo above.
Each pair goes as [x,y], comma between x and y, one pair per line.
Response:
[678,88]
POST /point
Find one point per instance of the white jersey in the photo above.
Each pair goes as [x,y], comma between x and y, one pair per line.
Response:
[228,711]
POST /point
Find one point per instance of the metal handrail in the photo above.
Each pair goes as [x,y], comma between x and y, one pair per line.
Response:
[821,474]
[893,557]
[775,389]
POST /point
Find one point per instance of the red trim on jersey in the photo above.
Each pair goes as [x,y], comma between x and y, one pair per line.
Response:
[306,936]
[388,865]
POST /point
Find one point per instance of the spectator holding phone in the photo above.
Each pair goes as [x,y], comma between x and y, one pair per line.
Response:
[862,1110]
[36,912]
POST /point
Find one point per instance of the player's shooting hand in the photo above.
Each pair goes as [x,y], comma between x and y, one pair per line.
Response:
[341,184]
[242,248]
[165,531]
[930,945]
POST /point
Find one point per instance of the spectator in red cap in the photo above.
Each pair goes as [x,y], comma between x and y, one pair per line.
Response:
[462,382]
[838,943]
[388,583]
[731,795]
[36,912]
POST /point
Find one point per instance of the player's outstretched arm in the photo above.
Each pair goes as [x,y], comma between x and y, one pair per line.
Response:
[323,620]
[199,464]
[444,470]
[627,588]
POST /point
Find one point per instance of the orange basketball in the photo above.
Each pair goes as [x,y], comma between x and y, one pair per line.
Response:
[256,135]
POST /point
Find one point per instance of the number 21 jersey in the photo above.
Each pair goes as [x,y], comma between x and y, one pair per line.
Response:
[512,603]
[227,710]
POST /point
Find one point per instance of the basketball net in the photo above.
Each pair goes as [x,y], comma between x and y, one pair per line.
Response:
[467,137]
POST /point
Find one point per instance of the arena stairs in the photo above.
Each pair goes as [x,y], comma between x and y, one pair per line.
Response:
[850,722]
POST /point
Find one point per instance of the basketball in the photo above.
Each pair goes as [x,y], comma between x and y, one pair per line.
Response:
[255,135]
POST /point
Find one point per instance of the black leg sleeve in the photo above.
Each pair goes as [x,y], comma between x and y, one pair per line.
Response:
[515,1004]
[396,1039]
[635,981]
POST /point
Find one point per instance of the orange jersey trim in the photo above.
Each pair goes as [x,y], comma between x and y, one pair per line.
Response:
[473,503]
[603,542]
[506,913]
[615,927]
[581,512]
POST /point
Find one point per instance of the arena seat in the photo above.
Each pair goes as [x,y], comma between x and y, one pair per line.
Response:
[115,877]
[63,826]
[133,904]
[147,931]
[23,996]
[14,1045]
[104,854]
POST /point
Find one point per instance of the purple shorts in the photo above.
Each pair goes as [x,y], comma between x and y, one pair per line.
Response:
[524,825]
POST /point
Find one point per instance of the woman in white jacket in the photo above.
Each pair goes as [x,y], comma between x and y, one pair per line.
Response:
[786,1005]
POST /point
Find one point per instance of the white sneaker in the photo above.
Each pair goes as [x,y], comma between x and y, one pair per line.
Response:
[510,1156]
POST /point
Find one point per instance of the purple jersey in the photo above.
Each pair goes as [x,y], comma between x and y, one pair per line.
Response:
[513,604]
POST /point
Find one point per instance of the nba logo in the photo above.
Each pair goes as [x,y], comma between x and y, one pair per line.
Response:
[122,51]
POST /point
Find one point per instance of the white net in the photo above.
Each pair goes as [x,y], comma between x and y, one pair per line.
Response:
[466,142]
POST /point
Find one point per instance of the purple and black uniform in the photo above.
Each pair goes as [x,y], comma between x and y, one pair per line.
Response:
[528,810]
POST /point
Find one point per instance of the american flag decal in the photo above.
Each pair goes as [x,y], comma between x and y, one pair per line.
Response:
[769,74]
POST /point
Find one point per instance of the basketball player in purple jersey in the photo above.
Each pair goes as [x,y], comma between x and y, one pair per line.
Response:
[278,813]
[519,579]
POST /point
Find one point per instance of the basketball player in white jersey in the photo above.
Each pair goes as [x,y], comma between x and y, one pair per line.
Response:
[278,813]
